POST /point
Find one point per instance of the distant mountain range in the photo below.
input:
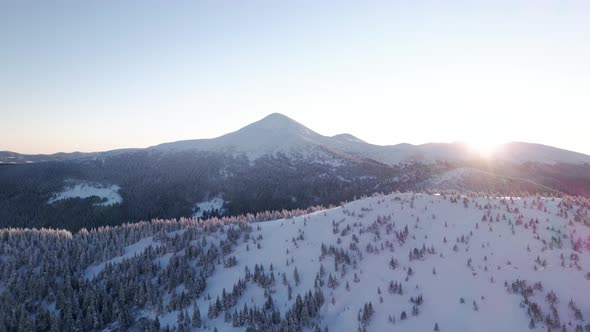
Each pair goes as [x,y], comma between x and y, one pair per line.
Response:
[278,133]
[13,158]
[274,163]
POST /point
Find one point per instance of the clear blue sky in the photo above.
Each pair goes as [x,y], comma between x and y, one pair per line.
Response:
[99,75]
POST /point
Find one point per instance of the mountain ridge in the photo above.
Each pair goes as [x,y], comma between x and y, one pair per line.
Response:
[278,133]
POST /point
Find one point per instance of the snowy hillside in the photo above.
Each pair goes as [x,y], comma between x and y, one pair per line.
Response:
[407,262]
[452,251]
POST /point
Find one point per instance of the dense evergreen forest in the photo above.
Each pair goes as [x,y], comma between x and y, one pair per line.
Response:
[157,185]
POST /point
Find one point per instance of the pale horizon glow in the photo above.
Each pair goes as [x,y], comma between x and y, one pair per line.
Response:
[83,76]
[484,147]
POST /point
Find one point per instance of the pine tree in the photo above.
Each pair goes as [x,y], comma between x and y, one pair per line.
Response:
[296,277]
[181,322]
[157,323]
[187,320]
[332,282]
[124,318]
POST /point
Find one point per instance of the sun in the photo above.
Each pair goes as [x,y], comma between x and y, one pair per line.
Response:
[484,147]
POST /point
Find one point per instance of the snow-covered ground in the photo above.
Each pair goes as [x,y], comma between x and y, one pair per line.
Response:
[478,263]
[216,203]
[86,190]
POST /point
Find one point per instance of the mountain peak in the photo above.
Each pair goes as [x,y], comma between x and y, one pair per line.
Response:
[276,125]
[277,121]
[278,117]
[275,132]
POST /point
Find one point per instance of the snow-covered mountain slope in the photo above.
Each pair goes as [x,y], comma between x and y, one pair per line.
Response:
[456,248]
[407,262]
[278,133]
[275,133]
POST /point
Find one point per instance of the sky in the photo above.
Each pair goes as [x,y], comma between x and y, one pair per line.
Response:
[102,75]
